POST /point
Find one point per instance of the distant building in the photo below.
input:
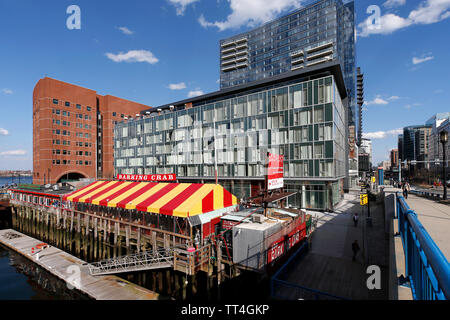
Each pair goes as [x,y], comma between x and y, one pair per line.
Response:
[394,159]
[401,156]
[415,141]
[73,131]
[439,122]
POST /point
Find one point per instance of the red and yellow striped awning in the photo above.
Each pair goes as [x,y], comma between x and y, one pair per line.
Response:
[175,199]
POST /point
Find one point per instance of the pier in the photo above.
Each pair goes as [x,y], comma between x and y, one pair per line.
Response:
[74,271]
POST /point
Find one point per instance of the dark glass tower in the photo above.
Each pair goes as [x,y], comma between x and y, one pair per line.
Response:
[317,33]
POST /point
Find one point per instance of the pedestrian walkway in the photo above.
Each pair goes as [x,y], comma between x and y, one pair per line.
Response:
[328,266]
[435,217]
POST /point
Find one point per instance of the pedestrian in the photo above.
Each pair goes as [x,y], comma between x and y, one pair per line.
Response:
[355,248]
[355,219]
[406,189]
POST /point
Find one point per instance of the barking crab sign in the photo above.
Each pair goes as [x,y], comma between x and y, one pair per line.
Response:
[147,177]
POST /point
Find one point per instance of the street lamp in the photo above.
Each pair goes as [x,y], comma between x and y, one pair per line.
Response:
[444,140]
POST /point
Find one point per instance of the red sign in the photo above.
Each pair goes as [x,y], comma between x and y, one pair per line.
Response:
[297,235]
[147,177]
[275,171]
[276,251]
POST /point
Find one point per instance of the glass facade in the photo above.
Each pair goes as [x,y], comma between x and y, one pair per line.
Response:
[302,120]
[320,32]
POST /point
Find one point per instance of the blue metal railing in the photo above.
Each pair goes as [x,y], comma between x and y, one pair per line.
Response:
[427,269]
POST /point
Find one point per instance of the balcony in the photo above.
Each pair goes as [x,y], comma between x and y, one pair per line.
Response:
[225,51]
[242,46]
[297,67]
[229,62]
[226,69]
[226,45]
[232,55]
[241,59]
[322,46]
[297,61]
[329,58]
[297,53]
[242,65]
[320,55]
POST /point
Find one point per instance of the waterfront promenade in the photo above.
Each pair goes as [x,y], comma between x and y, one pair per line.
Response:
[74,271]
[328,266]
[435,217]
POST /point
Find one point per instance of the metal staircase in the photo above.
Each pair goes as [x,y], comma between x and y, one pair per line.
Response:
[147,260]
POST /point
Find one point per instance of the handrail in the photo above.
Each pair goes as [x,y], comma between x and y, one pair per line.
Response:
[432,256]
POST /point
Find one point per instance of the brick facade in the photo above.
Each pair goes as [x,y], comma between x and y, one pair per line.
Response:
[67,119]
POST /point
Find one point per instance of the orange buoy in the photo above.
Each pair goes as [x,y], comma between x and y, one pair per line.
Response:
[41,245]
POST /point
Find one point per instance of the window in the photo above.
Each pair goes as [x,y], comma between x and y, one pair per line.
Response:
[67,104]
[122,115]
[88,108]
[58,111]
[55,101]
[114,114]
[79,106]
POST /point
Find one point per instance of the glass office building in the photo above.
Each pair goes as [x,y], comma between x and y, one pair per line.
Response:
[315,34]
[301,117]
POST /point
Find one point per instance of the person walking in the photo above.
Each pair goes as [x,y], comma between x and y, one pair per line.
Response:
[406,189]
[355,219]
[355,249]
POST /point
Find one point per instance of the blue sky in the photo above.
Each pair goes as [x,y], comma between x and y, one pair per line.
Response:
[159,51]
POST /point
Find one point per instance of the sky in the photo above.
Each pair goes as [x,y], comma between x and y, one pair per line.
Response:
[161,51]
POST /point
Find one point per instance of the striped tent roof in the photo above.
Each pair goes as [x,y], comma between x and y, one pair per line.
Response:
[175,199]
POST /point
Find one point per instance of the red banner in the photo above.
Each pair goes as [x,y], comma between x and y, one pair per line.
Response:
[297,235]
[275,171]
[147,177]
[276,251]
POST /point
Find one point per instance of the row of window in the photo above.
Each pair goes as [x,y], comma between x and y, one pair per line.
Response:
[67,104]
[63,152]
[63,142]
[85,144]
[63,132]
[67,114]
[67,162]
[59,122]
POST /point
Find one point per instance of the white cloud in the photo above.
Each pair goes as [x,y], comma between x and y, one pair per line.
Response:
[180,5]
[177,86]
[125,30]
[416,60]
[195,93]
[387,25]
[378,101]
[7,91]
[251,13]
[393,98]
[429,11]
[13,153]
[133,56]
[394,3]
[382,134]
[4,132]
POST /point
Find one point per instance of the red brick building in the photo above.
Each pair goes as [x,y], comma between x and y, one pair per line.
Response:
[73,131]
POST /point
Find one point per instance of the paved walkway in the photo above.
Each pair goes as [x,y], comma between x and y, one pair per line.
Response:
[328,266]
[435,217]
